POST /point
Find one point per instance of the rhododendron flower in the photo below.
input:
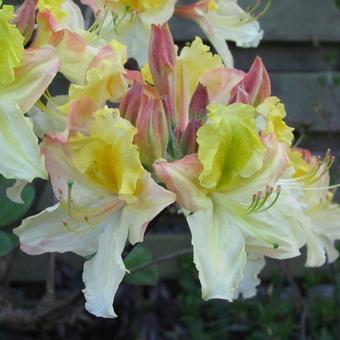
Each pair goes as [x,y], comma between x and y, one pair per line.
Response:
[229,223]
[130,21]
[105,197]
[105,76]
[25,74]
[104,81]
[57,15]
[223,20]
[61,24]
[321,228]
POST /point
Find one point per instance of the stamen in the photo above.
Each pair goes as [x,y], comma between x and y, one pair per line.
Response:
[69,197]
[116,20]
[320,168]
[330,187]
[259,200]
[278,192]
[258,196]
[251,11]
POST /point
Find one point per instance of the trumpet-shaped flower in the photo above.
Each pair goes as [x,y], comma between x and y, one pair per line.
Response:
[322,227]
[223,20]
[61,24]
[130,21]
[105,77]
[19,146]
[229,186]
[105,197]
[56,15]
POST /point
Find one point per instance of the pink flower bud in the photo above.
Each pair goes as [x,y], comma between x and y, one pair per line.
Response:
[199,102]
[142,106]
[162,62]
[188,140]
[254,87]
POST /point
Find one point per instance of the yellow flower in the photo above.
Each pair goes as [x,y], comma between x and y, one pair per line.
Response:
[100,155]
[229,187]
[106,198]
[229,146]
[104,77]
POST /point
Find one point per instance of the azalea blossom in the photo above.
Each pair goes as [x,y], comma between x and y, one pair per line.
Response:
[105,198]
[223,20]
[130,21]
[312,181]
[228,222]
[25,75]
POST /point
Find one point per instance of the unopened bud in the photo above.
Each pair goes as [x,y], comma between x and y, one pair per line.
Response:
[162,62]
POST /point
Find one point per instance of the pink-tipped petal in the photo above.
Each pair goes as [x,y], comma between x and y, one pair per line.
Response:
[181,178]
[220,83]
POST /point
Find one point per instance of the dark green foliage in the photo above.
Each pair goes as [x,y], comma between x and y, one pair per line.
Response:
[11,212]
[138,256]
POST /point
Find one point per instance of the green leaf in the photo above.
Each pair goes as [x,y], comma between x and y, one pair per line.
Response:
[10,211]
[139,256]
[8,242]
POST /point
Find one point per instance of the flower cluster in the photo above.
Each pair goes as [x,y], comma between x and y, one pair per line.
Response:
[186,129]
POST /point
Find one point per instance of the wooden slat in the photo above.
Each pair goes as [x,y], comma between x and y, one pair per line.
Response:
[308,101]
[289,57]
[286,20]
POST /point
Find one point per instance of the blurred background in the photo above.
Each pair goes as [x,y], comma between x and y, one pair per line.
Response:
[40,296]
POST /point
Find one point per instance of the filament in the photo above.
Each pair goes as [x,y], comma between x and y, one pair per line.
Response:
[259,200]
[81,215]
